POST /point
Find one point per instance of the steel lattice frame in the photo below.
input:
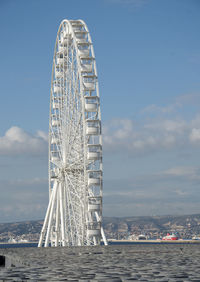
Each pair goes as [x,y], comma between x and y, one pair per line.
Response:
[74,213]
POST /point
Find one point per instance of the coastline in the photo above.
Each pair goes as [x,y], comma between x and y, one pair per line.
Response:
[110,243]
[114,241]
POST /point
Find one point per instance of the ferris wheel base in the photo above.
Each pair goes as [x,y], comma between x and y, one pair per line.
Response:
[54,233]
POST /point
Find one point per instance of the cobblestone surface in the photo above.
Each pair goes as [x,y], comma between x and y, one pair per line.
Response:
[110,263]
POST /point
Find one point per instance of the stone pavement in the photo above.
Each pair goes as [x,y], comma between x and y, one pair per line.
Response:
[102,263]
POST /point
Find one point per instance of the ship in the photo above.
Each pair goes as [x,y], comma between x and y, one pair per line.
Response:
[196,238]
[170,237]
[141,237]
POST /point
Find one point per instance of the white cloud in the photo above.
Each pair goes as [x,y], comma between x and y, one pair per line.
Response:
[177,104]
[181,193]
[195,135]
[191,172]
[158,109]
[186,99]
[167,125]
[129,136]
[18,142]
[196,121]
[174,190]
[28,182]
[42,135]
[151,135]
[188,176]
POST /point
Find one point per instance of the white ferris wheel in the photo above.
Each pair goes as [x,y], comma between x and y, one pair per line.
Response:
[74,213]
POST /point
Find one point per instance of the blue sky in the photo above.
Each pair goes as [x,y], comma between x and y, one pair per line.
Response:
[148,60]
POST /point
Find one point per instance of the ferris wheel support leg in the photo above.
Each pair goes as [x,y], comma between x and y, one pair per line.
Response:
[45,222]
[104,237]
[95,241]
[62,215]
[102,231]
[57,221]
[64,207]
[51,214]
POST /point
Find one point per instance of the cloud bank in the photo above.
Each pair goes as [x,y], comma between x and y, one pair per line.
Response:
[18,142]
[151,135]
[171,191]
[23,199]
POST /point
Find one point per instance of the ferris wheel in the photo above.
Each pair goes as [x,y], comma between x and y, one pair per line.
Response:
[74,213]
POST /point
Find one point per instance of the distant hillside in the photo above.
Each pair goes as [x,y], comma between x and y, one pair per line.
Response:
[13,230]
[154,226]
[116,227]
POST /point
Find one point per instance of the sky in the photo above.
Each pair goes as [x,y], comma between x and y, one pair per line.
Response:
[148,61]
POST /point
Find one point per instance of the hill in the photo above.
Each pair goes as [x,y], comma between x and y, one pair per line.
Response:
[115,227]
[154,226]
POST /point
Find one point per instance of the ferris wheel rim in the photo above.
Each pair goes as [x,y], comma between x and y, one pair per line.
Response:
[80,75]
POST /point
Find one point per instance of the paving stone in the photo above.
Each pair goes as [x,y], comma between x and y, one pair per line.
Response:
[104,263]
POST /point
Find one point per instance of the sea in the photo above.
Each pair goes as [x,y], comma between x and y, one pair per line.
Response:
[135,262]
[116,243]
[18,245]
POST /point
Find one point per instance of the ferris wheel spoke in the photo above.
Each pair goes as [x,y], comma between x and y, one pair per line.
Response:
[69,212]
[74,192]
[73,189]
[73,123]
[74,135]
[74,214]
[76,132]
